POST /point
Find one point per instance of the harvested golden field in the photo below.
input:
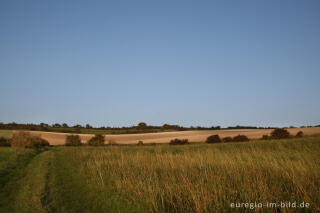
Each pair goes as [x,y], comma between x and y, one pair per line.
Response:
[165,137]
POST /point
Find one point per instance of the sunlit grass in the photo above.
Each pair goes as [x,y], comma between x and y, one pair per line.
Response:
[204,178]
[161,178]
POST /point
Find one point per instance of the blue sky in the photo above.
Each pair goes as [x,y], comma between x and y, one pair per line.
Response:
[185,62]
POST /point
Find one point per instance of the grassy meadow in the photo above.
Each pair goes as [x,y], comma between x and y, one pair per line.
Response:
[5,133]
[161,178]
[8,133]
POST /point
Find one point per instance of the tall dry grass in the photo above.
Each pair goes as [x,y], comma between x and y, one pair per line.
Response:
[206,178]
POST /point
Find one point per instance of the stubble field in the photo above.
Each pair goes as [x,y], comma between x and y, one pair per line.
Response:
[165,137]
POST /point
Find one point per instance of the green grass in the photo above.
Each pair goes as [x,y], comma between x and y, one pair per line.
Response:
[164,178]
[99,131]
[12,170]
[8,133]
[5,133]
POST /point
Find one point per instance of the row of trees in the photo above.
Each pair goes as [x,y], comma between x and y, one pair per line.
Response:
[64,127]
[68,128]
[41,126]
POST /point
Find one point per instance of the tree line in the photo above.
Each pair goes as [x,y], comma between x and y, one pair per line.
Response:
[142,126]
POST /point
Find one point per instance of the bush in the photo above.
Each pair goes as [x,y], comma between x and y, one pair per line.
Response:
[26,140]
[265,137]
[299,134]
[97,140]
[73,140]
[142,125]
[227,139]
[4,141]
[240,138]
[179,141]
[280,133]
[213,139]
[140,143]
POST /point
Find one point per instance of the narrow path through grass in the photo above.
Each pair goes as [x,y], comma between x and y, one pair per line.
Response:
[11,175]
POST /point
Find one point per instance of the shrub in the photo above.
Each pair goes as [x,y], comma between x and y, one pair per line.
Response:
[227,139]
[140,143]
[142,125]
[213,139]
[97,140]
[26,140]
[299,134]
[280,133]
[73,140]
[4,141]
[240,138]
[179,141]
[265,137]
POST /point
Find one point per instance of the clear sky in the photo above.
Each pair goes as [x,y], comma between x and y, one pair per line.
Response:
[115,63]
